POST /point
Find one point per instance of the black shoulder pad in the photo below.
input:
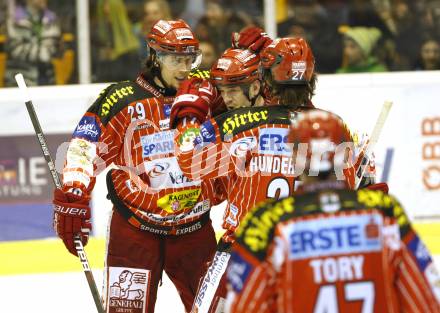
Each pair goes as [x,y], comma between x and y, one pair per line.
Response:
[257,229]
[114,98]
[236,121]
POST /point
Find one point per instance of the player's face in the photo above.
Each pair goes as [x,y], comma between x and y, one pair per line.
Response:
[175,68]
[234,97]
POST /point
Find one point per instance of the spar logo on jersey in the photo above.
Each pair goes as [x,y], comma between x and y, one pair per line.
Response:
[88,129]
[157,143]
[207,132]
[238,271]
[335,235]
[240,147]
[274,141]
[128,289]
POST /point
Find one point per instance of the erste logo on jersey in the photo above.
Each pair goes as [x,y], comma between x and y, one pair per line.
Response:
[333,236]
[157,143]
[240,147]
[274,141]
[88,128]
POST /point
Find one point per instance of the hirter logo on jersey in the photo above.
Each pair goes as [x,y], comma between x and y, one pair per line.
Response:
[332,236]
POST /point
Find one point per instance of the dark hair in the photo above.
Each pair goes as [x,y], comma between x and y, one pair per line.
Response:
[292,95]
[151,68]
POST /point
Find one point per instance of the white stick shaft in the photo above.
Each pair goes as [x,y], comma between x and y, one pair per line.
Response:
[23,88]
[375,134]
[378,127]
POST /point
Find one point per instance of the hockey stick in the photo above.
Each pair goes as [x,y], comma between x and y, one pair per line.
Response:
[360,172]
[211,280]
[57,182]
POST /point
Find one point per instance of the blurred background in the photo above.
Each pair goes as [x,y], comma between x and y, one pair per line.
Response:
[367,51]
[87,41]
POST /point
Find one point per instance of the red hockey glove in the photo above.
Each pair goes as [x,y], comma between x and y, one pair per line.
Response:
[71,216]
[252,38]
[194,99]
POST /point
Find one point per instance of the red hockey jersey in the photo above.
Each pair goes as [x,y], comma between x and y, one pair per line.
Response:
[128,125]
[331,251]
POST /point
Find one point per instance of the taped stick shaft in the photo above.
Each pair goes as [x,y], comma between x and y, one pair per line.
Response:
[57,182]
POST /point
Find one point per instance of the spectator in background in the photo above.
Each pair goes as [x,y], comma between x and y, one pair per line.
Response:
[33,40]
[154,10]
[358,53]
[217,25]
[429,58]
[312,20]
[117,57]
[431,18]
[208,53]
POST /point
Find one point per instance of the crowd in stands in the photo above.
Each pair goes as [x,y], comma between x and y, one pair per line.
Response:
[38,37]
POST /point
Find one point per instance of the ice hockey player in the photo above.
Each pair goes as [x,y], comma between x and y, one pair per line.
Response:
[248,144]
[329,248]
[160,219]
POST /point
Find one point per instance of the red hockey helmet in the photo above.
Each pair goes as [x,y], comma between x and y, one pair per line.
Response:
[290,60]
[173,37]
[235,66]
[322,131]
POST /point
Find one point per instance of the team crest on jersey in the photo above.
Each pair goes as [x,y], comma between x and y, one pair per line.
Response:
[189,138]
[128,289]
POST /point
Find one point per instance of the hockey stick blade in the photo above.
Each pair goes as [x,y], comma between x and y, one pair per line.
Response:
[374,138]
[57,182]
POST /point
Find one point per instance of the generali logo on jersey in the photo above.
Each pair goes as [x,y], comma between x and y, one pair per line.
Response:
[128,290]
